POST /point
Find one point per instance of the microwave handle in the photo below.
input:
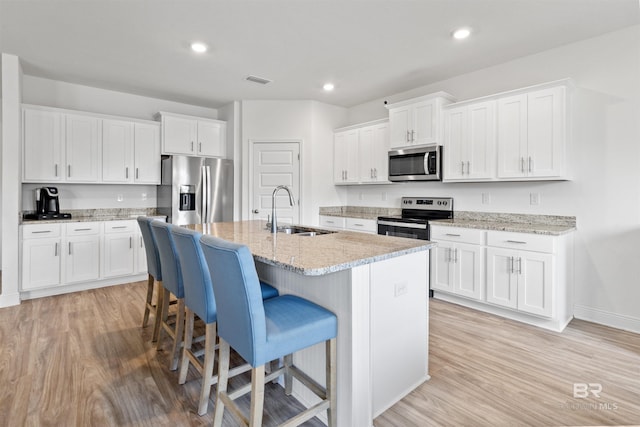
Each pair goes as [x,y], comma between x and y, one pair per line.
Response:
[426,163]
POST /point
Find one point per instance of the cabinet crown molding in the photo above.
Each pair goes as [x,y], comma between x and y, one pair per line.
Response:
[88,113]
[445,95]
[361,125]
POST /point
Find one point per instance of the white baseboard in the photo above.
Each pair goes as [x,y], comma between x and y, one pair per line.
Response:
[602,317]
[8,300]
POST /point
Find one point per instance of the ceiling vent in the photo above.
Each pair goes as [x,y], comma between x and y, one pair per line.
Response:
[256,79]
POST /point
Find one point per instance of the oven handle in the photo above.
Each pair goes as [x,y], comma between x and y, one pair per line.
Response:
[403,224]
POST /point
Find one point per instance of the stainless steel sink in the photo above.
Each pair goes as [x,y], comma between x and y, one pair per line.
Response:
[303,231]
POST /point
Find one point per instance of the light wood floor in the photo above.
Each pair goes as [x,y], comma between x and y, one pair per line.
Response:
[82,359]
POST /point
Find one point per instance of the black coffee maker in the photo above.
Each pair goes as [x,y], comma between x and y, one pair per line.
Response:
[47,205]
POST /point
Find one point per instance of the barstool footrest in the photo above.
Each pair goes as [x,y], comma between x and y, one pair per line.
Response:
[306,415]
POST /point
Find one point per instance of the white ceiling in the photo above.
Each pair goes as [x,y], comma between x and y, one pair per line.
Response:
[368,48]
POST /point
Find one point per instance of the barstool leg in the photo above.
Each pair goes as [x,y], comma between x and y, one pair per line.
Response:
[288,377]
[159,306]
[179,332]
[331,381]
[207,370]
[166,298]
[149,302]
[223,378]
[257,396]
[188,340]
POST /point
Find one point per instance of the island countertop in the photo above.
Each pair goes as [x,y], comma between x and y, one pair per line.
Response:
[316,255]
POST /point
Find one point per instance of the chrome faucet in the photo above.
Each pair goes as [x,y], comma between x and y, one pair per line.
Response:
[274,221]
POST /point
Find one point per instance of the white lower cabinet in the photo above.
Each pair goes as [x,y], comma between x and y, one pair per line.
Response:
[41,256]
[348,223]
[529,274]
[119,254]
[457,263]
[83,254]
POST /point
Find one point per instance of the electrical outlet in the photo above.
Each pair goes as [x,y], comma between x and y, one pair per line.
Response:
[144,196]
[534,198]
[486,198]
[400,289]
[120,197]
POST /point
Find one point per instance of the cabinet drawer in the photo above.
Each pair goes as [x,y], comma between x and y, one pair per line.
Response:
[126,226]
[357,224]
[331,221]
[38,231]
[523,241]
[457,234]
[82,228]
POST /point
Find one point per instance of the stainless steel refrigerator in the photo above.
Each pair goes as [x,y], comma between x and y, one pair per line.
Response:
[196,190]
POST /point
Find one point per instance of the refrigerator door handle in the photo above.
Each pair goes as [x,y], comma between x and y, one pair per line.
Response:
[209,197]
[203,197]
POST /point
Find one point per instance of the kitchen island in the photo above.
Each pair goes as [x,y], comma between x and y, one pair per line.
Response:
[376,285]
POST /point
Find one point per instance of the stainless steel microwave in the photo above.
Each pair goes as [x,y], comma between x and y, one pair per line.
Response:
[416,164]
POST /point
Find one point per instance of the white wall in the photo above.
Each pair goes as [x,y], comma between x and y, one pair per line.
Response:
[231,114]
[605,192]
[92,196]
[310,122]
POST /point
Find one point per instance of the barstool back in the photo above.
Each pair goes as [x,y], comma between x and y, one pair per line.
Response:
[150,247]
[171,272]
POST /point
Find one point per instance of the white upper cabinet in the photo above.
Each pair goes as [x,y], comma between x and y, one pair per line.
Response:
[64,146]
[82,147]
[117,151]
[532,135]
[130,152]
[146,155]
[469,141]
[417,121]
[43,136]
[361,153]
[193,136]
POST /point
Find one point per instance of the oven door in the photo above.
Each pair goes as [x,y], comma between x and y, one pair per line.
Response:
[409,230]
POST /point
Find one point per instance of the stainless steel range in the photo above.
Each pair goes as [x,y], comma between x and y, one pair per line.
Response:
[416,214]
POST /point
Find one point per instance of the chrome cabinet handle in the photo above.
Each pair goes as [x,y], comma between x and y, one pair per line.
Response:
[199,147]
[120,226]
[81,229]
[126,172]
[511,261]
[468,167]
[329,222]
[522,164]
[455,255]
[519,265]
[55,167]
[452,235]
[375,173]
[69,248]
[448,258]
[530,164]
[69,171]
[130,242]
[137,173]
[41,231]
[462,167]
[191,145]
[408,136]
[413,135]
[55,253]
[519,242]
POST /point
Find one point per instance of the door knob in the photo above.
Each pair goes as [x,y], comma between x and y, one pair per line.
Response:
[256,211]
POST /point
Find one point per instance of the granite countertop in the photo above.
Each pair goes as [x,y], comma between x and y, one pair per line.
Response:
[517,223]
[94,215]
[312,256]
[360,212]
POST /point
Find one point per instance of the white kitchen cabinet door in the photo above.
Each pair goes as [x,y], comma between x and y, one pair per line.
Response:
[117,151]
[400,126]
[481,141]
[546,133]
[381,152]
[118,254]
[43,136]
[346,162]
[82,148]
[455,142]
[339,157]
[425,123]
[146,154]
[41,263]
[211,138]
[82,259]
[141,256]
[442,274]
[468,266]
[512,136]
[179,135]
[502,283]
[366,140]
[535,283]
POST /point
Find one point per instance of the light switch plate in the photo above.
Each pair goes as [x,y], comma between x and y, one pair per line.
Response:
[534,198]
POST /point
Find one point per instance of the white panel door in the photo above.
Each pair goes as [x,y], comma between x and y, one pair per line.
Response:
[512,136]
[424,123]
[366,151]
[502,283]
[83,259]
[441,271]
[468,270]
[400,123]
[535,283]
[179,135]
[82,148]
[352,170]
[455,152]
[147,153]
[40,263]
[276,163]
[117,151]
[43,134]
[211,139]
[118,254]
[546,132]
[481,138]
[381,152]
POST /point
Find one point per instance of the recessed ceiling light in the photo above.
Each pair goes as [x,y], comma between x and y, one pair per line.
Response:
[199,47]
[328,87]
[461,33]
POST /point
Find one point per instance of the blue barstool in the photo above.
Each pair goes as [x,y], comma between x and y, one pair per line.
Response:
[172,285]
[261,331]
[155,273]
[199,300]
